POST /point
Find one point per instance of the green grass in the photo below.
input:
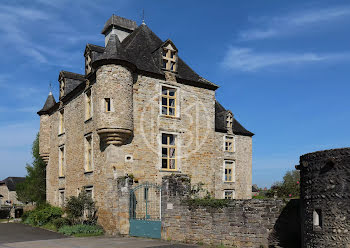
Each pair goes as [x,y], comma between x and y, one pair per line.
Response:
[49,226]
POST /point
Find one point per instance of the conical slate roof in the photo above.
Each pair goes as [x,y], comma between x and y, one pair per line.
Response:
[50,102]
[113,53]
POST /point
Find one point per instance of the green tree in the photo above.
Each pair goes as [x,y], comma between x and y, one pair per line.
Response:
[289,187]
[33,189]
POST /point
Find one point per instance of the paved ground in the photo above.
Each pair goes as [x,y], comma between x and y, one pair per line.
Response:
[14,235]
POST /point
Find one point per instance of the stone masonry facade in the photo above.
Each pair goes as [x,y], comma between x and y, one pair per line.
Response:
[325,188]
[125,125]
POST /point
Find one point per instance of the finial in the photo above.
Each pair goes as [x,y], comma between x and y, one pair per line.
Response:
[143,17]
[50,88]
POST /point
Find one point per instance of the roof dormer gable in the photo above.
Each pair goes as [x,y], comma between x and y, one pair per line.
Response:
[169,57]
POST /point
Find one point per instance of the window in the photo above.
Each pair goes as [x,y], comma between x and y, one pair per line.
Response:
[229,194]
[168,152]
[61,122]
[229,144]
[62,85]
[108,104]
[229,120]
[169,58]
[87,64]
[317,218]
[88,154]
[89,191]
[229,171]
[88,105]
[61,164]
[168,101]
[61,198]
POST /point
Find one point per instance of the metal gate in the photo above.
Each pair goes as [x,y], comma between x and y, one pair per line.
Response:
[145,211]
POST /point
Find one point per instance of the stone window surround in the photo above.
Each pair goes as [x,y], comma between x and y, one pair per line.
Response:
[177,152]
[233,143]
[61,129]
[177,101]
[168,59]
[86,169]
[61,192]
[232,191]
[317,219]
[61,161]
[233,162]
[103,105]
[229,120]
[89,188]
[88,67]
[88,90]
[62,86]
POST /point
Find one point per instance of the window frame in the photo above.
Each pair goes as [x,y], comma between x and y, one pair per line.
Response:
[168,146]
[233,172]
[89,158]
[168,59]
[61,122]
[108,103]
[229,120]
[88,106]
[89,188]
[61,160]
[230,139]
[60,203]
[232,194]
[168,98]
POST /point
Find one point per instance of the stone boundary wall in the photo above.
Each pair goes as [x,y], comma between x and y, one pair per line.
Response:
[237,223]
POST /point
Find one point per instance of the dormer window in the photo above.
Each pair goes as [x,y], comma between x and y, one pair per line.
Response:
[62,85]
[169,57]
[88,63]
[229,120]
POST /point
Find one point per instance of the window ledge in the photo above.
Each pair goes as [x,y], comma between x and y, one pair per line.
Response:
[171,171]
[88,172]
[88,120]
[227,182]
[170,117]
[61,134]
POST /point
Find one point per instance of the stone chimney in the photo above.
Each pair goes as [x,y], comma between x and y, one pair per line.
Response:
[120,26]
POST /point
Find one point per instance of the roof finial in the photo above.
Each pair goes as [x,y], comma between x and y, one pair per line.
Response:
[50,87]
[143,17]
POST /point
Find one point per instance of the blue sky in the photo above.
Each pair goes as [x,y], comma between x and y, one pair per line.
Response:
[282,67]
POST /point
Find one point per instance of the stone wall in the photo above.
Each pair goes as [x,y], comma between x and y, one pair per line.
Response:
[239,223]
[325,194]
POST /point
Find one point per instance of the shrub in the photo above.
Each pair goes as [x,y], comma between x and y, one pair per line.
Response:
[41,215]
[81,230]
[60,222]
[81,209]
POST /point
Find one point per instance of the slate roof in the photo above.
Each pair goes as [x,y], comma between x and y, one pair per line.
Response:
[220,122]
[142,49]
[119,22]
[11,182]
[72,80]
[50,102]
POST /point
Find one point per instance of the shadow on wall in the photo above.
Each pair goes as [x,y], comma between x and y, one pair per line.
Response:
[287,230]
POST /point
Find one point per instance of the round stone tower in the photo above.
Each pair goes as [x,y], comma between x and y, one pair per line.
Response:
[114,93]
[325,198]
[114,90]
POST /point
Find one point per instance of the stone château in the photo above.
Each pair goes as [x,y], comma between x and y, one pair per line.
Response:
[139,110]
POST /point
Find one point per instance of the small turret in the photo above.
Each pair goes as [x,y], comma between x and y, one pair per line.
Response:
[44,134]
[114,91]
